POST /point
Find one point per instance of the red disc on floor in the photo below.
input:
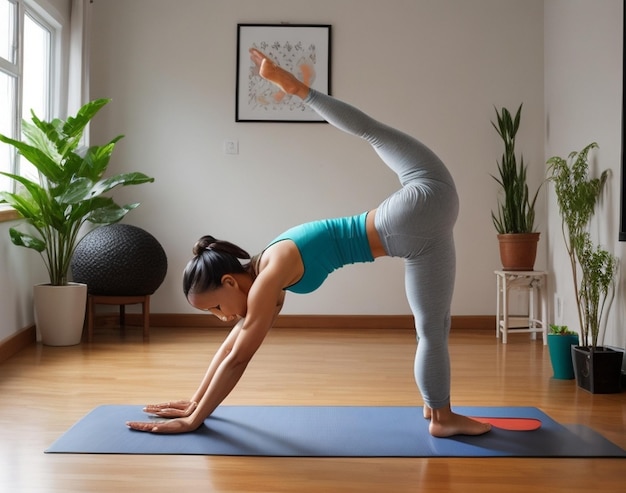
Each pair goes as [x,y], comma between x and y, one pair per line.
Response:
[512,424]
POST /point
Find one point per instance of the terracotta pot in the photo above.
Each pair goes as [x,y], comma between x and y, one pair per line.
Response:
[518,251]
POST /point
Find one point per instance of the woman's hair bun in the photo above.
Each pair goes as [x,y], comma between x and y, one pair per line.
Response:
[203,244]
[209,243]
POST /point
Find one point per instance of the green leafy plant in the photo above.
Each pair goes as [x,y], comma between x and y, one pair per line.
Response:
[70,188]
[561,330]
[594,269]
[516,212]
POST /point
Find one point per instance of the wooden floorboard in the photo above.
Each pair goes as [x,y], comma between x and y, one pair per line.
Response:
[45,390]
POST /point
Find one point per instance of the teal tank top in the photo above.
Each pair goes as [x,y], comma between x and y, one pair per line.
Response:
[327,245]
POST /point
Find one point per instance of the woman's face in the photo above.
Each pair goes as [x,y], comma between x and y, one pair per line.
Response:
[227,302]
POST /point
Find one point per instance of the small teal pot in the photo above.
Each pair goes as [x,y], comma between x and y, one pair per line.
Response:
[560,347]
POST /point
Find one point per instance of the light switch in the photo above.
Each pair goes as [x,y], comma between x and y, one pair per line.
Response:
[231,147]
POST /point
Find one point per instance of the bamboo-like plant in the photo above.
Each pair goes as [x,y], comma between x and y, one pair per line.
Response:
[593,269]
[70,188]
[516,212]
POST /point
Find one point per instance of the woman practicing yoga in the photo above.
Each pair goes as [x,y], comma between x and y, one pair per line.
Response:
[414,223]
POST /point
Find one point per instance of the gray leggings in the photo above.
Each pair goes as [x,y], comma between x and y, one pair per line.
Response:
[414,223]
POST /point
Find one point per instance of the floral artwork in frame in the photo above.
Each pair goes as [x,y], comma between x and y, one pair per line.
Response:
[303,50]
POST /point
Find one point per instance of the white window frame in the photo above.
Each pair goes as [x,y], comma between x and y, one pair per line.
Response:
[43,14]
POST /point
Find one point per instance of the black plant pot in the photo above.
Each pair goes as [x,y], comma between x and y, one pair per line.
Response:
[599,371]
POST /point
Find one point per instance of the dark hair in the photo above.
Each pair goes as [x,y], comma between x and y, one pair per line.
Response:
[212,260]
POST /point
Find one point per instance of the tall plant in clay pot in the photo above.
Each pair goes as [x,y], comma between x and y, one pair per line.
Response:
[515,217]
[594,270]
[68,192]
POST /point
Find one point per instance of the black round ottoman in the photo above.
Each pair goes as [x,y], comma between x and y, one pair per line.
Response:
[119,260]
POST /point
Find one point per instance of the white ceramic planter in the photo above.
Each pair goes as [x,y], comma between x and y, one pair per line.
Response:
[60,313]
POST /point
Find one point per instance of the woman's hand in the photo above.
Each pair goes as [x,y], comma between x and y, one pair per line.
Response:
[180,425]
[176,409]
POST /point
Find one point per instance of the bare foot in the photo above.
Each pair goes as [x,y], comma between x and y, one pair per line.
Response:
[428,412]
[445,423]
[286,81]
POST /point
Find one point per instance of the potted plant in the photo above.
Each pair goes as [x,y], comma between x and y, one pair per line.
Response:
[68,193]
[560,342]
[594,270]
[515,217]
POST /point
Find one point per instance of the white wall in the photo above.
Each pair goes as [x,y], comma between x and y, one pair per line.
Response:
[583,84]
[432,68]
[20,269]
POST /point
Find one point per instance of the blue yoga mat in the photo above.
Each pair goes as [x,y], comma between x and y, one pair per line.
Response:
[329,431]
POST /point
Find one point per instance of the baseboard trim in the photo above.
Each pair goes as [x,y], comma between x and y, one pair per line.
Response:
[311,321]
[16,342]
[474,322]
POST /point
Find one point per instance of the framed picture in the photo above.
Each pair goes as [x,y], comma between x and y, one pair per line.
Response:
[303,50]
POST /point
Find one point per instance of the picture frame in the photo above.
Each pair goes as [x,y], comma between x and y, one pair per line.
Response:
[302,49]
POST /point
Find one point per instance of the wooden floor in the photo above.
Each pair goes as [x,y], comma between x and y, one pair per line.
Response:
[45,390]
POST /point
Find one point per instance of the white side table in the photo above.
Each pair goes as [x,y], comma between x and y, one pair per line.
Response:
[535,282]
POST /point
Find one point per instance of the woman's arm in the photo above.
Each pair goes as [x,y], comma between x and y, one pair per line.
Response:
[264,303]
[220,355]
[181,409]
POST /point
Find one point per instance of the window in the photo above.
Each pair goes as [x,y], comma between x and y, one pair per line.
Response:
[27,42]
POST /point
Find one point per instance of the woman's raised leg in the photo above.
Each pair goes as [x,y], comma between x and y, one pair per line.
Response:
[429,279]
